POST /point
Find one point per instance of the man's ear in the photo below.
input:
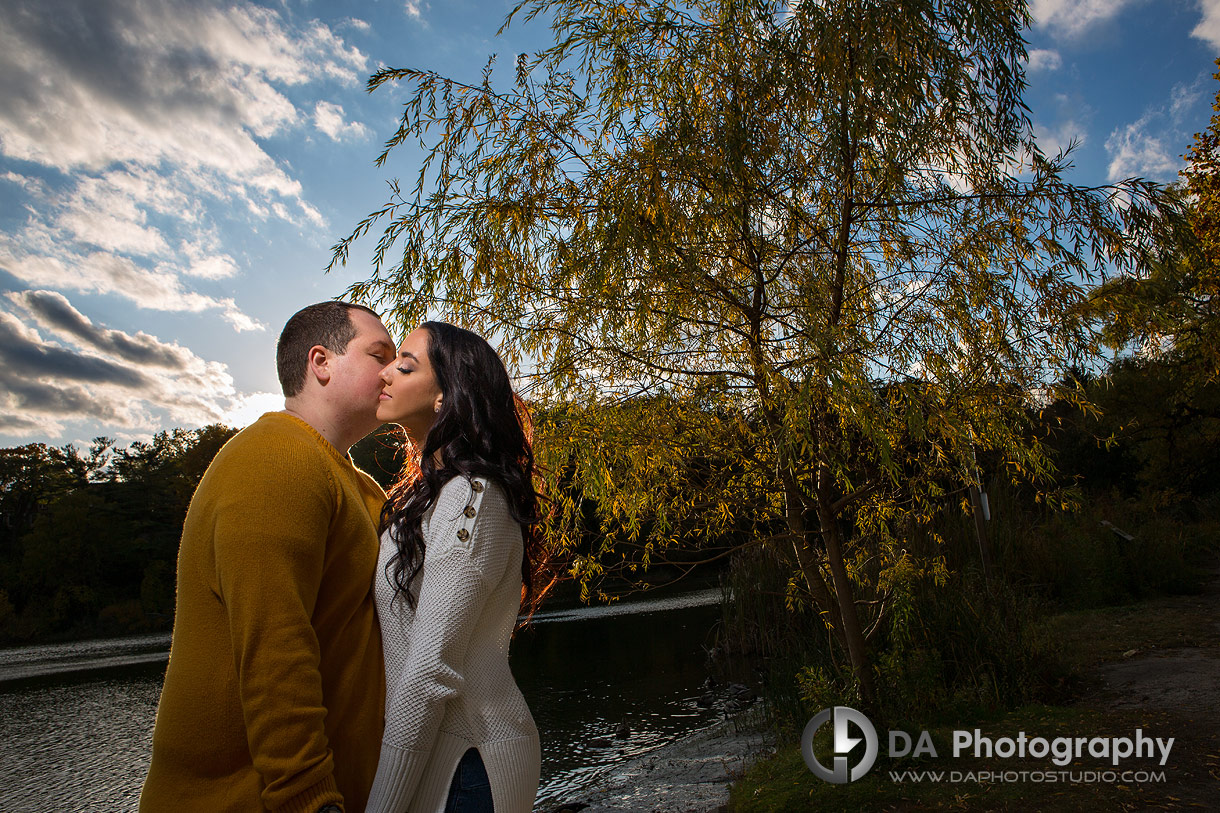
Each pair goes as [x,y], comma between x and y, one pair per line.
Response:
[319,363]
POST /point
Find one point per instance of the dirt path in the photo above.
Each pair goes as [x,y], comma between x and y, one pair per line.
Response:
[1170,677]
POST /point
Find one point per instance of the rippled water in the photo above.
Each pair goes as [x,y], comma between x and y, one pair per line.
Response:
[639,663]
[78,745]
[76,719]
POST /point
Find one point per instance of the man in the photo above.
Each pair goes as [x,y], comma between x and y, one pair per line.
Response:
[274,694]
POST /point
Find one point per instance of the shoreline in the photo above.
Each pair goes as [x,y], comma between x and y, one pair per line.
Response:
[32,661]
[689,775]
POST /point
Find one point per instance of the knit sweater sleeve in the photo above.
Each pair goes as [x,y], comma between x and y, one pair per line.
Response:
[464,560]
[269,548]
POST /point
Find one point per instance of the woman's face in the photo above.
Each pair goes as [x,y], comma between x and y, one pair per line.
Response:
[410,396]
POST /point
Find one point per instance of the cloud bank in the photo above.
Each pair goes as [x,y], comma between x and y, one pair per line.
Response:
[57,367]
[123,121]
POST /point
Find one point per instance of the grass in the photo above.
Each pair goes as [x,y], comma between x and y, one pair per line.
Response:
[1086,638]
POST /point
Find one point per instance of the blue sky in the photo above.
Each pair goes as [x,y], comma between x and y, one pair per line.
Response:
[174,172]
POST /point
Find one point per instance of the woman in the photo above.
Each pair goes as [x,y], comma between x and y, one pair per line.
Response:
[460,553]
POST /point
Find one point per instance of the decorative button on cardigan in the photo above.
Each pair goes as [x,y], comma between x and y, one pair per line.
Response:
[448,683]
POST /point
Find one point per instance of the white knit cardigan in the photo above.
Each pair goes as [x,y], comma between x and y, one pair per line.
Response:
[448,684]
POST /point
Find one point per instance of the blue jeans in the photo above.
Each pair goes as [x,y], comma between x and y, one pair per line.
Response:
[470,790]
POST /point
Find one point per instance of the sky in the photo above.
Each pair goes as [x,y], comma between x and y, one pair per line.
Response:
[173,174]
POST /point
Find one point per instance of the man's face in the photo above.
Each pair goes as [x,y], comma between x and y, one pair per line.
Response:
[355,381]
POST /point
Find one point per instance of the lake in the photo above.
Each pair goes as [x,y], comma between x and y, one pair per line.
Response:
[76,719]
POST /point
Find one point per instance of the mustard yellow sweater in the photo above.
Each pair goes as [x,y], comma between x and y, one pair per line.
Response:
[274,695]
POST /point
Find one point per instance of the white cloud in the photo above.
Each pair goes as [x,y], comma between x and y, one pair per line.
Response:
[414,8]
[312,214]
[1181,99]
[1041,60]
[1138,150]
[205,258]
[103,273]
[219,266]
[58,368]
[1071,18]
[1152,146]
[1208,28]
[151,111]
[31,184]
[1053,140]
[104,214]
[240,321]
[184,83]
[328,118]
[249,408]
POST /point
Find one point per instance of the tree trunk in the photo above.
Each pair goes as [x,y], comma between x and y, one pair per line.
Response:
[857,648]
[807,560]
[841,606]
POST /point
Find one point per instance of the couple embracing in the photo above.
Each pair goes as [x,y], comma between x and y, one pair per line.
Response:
[335,650]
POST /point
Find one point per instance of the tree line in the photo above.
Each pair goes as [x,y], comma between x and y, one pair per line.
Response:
[89,538]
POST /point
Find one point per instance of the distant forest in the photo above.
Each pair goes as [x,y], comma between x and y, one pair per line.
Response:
[89,537]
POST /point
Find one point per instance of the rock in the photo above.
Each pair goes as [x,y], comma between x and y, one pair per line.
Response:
[623,731]
[600,742]
[688,775]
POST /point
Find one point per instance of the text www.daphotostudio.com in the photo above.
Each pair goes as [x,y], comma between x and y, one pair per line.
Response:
[852,729]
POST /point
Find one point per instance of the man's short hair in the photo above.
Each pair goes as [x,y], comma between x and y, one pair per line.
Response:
[328,324]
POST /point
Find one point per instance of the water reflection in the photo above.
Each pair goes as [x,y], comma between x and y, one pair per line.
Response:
[586,678]
[78,745]
[74,740]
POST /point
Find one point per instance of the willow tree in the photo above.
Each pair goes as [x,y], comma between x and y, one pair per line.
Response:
[1171,309]
[813,245]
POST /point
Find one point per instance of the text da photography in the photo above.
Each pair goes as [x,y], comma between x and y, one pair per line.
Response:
[841,744]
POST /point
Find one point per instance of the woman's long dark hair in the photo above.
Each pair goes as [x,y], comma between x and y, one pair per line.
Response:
[482,430]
